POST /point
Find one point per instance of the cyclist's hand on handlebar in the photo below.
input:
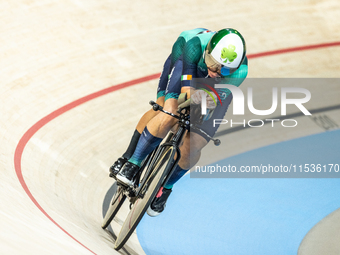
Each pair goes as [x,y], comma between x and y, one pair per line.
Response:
[197,96]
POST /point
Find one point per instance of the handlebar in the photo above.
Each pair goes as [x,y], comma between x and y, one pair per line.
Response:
[157,107]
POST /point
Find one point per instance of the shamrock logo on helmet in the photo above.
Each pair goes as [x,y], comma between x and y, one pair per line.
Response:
[228,53]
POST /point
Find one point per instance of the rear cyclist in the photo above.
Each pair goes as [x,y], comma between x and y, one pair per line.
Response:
[219,55]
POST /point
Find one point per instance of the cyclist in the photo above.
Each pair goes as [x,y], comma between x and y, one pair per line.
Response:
[177,50]
[220,55]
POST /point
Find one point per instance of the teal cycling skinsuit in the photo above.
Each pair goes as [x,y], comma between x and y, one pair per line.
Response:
[171,65]
[186,62]
[195,67]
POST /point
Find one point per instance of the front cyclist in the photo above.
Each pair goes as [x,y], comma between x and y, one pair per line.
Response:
[174,87]
[219,55]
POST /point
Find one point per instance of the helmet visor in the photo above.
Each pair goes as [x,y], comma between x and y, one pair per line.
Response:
[214,66]
[211,63]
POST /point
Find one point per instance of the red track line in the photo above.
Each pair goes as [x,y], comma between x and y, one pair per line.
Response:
[37,126]
[301,48]
[28,135]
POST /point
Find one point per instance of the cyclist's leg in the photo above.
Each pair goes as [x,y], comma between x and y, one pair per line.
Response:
[189,155]
[195,141]
[163,81]
[148,116]
[159,125]
[140,127]
[191,148]
[156,128]
[162,84]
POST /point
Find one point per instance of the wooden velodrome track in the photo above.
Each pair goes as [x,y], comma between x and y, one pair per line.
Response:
[55,151]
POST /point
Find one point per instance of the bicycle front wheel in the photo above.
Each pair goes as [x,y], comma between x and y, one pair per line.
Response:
[115,204]
[150,189]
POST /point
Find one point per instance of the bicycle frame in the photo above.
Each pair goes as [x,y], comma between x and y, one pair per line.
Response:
[156,170]
[173,139]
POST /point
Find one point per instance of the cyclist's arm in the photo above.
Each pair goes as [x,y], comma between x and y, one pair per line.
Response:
[192,53]
[177,50]
[188,90]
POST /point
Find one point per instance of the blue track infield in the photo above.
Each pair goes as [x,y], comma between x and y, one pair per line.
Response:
[247,216]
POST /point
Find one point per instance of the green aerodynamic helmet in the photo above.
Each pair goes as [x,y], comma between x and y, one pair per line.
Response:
[225,50]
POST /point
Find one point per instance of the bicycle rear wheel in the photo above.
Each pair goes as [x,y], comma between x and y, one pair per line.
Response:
[150,189]
[115,204]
